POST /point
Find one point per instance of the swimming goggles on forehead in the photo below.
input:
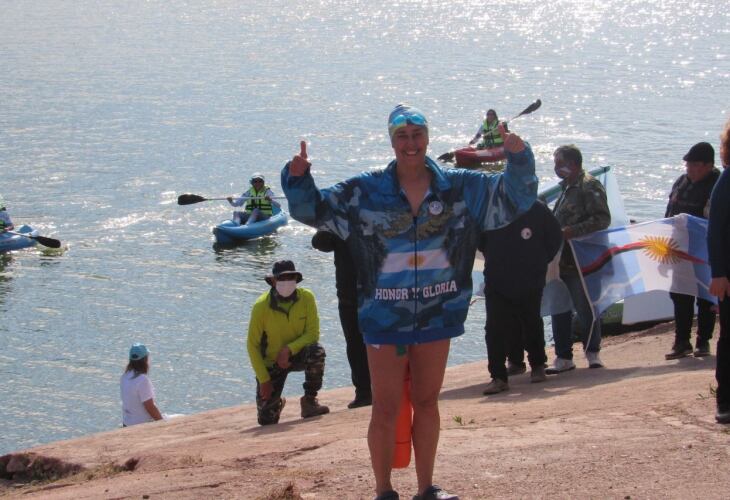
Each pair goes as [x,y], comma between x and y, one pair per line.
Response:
[402,120]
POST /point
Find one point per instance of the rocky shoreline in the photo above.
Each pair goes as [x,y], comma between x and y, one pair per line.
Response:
[641,428]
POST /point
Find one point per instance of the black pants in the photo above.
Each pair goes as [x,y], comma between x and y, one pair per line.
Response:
[310,360]
[722,373]
[684,311]
[513,323]
[357,355]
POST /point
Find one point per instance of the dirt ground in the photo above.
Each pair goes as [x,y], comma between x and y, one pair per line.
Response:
[641,428]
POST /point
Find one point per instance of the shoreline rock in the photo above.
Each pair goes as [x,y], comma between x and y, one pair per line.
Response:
[642,427]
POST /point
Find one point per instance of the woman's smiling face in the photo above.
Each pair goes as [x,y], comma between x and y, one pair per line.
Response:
[409,144]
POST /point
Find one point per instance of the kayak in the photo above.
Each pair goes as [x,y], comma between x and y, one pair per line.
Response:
[472,157]
[10,242]
[229,232]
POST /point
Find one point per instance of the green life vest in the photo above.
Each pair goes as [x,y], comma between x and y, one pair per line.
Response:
[259,201]
[490,134]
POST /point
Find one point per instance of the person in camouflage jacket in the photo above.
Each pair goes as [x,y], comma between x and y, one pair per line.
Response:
[582,208]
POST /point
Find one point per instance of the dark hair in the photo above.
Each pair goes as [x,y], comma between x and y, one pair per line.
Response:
[725,145]
[495,113]
[571,153]
[138,366]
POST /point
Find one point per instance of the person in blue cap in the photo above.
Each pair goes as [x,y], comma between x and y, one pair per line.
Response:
[412,230]
[259,201]
[138,395]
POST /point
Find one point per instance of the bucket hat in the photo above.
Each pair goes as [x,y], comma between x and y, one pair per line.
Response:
[282,268]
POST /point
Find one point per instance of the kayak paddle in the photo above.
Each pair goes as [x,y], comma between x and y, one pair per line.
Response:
[529,109]
[189,199]
[46,242]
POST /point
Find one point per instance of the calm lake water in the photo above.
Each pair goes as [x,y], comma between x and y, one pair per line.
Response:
[111,109]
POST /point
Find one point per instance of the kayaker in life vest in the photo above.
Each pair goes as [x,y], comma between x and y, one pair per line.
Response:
[259,201]
[488,132]
[5,223]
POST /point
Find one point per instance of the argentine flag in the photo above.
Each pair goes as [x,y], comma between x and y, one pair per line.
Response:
[667,254]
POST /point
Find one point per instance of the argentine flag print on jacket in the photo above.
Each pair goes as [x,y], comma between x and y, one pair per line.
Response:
[414,272]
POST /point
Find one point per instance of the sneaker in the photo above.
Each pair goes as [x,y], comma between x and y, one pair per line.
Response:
[594,361]
[702,349]
[311,407]
[515,368]
[537,374]
[723,416]
[495,387]
[560,365]
[434,492]
[679,351]
[388,495]
[360,401]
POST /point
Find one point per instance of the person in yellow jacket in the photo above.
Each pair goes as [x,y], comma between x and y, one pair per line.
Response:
[283,335]
[488,132]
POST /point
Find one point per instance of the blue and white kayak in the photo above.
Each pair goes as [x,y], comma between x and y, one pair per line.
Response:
[229,232]
[10,241]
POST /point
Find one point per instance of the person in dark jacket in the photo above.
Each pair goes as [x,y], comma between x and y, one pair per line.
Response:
[516,261]
[690,195]
[718,247]
[346,282]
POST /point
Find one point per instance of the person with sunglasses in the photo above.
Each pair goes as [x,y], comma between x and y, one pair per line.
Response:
[283,337]
[412,229]
[259,200]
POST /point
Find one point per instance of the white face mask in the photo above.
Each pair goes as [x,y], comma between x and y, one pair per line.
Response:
[563,171]
[286,288]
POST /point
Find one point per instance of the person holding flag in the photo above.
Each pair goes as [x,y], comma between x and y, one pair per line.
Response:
[582,208]
[690,194]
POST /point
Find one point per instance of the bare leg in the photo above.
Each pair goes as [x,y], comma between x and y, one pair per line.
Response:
[427,365]
[387,372]
[255,214]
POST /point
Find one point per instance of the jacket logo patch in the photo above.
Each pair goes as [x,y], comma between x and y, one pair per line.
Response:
[435,208]
[526,233]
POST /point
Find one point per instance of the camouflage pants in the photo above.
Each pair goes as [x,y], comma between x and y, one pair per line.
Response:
[310,360]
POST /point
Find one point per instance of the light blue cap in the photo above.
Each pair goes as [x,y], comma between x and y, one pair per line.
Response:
[404,114]
[138,351]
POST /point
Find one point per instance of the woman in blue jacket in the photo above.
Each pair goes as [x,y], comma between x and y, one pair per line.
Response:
[412,229]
